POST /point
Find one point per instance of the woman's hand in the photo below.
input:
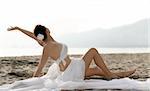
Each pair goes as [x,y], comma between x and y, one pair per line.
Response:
[13,28]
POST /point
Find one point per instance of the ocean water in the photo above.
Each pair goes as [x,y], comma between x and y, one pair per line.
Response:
[71,51]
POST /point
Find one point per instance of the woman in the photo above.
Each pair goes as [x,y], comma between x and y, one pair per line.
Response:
[58,52]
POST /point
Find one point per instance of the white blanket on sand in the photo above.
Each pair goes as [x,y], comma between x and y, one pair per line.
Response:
[43,84]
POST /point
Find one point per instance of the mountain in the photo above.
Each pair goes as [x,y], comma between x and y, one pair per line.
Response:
[127,36]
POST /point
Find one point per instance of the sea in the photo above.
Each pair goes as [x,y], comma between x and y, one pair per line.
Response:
[71,51]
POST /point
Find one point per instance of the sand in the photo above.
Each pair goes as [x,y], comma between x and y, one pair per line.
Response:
[22,67]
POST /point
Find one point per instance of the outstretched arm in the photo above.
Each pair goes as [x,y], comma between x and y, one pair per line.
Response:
[28,33]
[42,62]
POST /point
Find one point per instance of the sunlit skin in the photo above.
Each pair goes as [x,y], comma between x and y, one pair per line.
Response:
[52,48]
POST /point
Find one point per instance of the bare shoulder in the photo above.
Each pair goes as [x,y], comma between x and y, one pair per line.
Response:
[49,47]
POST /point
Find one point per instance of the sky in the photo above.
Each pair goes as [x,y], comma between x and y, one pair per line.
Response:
[69,16]
[65,17]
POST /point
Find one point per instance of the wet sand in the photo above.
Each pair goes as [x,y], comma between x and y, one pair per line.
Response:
[22,67]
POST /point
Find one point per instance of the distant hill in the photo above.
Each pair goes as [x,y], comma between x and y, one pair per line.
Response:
[132,35]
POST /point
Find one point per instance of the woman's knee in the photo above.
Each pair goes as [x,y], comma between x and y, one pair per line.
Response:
[93,50]
[90,54]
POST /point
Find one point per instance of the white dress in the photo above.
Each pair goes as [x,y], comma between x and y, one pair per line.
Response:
[71,78]
[74,72]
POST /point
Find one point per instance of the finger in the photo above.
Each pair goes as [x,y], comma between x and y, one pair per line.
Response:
[11,28]
[8,29]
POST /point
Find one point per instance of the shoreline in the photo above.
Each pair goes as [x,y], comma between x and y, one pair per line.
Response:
[77,54]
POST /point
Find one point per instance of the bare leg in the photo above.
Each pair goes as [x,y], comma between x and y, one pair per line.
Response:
[97,71]
[94,71]
[93,54]
[124,74]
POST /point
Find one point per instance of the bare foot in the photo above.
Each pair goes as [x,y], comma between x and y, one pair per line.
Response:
[125,74]
[112,76]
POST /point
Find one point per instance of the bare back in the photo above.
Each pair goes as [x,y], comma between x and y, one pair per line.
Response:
[55,49]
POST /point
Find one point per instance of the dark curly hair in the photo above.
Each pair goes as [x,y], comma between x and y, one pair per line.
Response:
[39,29]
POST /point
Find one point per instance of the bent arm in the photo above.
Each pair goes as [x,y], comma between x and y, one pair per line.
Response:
[42,62]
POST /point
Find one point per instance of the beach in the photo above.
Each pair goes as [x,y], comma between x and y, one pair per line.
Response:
[22,67]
